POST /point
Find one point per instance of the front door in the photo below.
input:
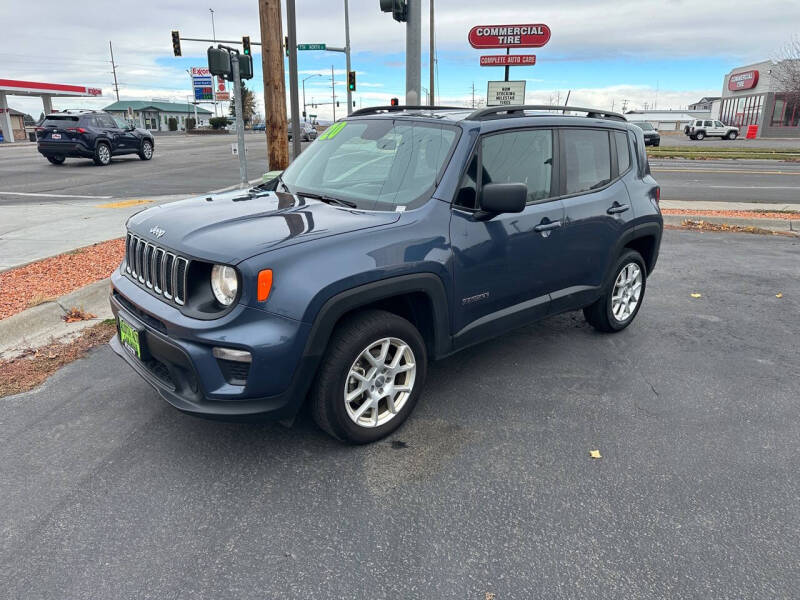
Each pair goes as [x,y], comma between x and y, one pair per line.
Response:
[505,266]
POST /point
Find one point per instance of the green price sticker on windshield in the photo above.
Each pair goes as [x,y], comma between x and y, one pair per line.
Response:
[333,131]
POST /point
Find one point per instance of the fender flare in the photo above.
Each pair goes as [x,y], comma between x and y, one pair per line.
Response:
[651,229]
[338,305]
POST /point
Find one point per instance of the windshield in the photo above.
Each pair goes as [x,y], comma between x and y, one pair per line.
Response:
[378,164]
[644,126]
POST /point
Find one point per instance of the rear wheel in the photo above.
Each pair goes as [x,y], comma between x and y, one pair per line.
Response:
[371,377]
[699,136]
[57,159]
[146,152]
[623,296]
[102,154]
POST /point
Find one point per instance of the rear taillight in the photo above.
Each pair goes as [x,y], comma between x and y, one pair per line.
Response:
[76,130]
[657,194]
[40,129]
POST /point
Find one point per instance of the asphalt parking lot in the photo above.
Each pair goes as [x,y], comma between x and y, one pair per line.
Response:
[488,489]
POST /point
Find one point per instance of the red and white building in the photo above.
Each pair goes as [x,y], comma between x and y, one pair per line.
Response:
[46,91]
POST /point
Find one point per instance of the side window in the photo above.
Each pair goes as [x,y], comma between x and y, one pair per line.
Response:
[718,124]
[587,157]
[520,157]
[106,121]
[707,124]
[623,151]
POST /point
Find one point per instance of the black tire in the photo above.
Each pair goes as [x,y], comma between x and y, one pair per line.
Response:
[101,158]
[732,135]
[146,151]
[658,143]
[600,314]
[699,136]
[57,159]
[351,337]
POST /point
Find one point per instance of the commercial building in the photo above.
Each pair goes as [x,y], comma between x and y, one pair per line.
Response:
[17,120]
[756,95]
[155,115]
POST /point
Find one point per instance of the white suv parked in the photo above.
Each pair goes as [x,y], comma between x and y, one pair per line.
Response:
[701,129]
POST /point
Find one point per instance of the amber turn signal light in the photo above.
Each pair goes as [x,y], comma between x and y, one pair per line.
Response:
[264,284]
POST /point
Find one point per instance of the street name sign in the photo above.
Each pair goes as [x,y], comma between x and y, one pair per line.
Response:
[509,36]
[505,93]
[508,60]
[311,46]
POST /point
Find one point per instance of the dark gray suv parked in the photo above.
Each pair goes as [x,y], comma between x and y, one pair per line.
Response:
[402,234]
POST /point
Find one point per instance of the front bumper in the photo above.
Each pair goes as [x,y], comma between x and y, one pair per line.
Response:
[178,360]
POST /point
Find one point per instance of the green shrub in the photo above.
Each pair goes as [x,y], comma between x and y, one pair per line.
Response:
[173,124]
[218,122]
[190,124]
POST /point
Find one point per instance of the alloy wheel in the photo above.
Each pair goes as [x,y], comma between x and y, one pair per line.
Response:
[104,154]
[380,382]
[627,291]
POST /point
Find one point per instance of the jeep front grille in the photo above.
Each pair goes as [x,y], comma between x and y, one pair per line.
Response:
[156,268]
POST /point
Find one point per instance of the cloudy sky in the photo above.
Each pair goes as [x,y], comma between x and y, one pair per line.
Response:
[664,53]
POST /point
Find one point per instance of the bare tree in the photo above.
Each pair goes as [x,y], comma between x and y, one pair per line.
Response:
[786,73]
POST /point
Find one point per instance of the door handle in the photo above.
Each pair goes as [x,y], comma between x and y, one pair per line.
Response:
[617,208]
[547,226]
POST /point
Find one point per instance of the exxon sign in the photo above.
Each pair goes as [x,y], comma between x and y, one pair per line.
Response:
[509,36]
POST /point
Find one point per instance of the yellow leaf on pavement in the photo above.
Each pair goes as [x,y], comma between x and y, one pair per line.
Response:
[595,454]
[779,295]
[696,295]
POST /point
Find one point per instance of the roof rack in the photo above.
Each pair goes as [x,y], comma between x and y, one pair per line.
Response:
[495,112]
[371,110]
[78,111]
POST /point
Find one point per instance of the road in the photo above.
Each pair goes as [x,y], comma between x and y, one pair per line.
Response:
[182,164]
[488,489]
[728,180]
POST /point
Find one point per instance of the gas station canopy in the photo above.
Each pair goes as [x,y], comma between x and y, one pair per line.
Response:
[46,91]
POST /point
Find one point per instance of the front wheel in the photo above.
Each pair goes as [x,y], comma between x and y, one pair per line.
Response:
[623,296]
[146,152]
[57,159]
[371,377]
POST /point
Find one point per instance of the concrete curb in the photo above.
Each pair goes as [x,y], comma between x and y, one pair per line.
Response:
[777,225]
[40,324]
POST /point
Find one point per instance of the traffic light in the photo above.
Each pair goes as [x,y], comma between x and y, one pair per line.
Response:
[351,81]
[246,44]
[398,8]
[395,102]
[176,43]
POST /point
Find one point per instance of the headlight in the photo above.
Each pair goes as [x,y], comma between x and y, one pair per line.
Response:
[224,284]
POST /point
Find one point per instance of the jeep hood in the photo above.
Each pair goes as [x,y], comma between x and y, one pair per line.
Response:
[233,226]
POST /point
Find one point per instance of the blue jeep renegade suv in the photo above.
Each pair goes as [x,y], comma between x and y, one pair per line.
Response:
[401,235]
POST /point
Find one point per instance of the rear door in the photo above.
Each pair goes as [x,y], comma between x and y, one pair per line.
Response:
[58,128]
[111,131]
[597,207]
[506,266]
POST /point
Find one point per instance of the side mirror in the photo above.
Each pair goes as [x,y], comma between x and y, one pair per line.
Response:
[499,198]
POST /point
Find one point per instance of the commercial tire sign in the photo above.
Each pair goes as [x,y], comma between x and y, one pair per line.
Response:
[746,80]
[505,93]
[509,36]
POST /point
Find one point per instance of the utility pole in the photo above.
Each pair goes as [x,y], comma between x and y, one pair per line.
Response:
[237,89]
[333,95]
[291,26]
[413,52]
[473,94]
[432,59]
[347,54]
[114,69]
[274,84]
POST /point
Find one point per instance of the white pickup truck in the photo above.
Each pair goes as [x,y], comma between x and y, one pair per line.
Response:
[703,128]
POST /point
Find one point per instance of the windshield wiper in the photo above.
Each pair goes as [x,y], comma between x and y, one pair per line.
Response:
[328,199]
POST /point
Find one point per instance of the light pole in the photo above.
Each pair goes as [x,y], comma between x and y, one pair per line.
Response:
[196,124]
[213,37]
[305,114]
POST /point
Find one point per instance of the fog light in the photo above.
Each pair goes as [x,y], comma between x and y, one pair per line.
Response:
[242,356]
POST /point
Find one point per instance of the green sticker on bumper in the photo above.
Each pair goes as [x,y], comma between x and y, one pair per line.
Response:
[129,338]
[333,130]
